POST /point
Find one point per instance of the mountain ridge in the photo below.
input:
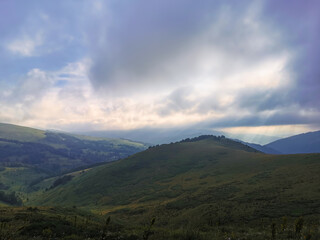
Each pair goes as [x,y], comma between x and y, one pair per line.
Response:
[302,143]
[29,155]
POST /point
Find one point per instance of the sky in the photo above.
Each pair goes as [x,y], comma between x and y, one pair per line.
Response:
[237,66]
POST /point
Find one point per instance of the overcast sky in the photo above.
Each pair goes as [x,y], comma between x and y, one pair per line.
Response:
[241,66]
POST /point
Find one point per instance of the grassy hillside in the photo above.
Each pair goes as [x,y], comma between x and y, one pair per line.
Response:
[19,133]
[202,188]
[21,223]
[27,156]
[200,183]
[56,152]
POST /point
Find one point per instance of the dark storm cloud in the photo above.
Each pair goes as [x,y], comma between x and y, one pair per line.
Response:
[177,101]
[262,100]
[299,22]
[143,41]
[159,48]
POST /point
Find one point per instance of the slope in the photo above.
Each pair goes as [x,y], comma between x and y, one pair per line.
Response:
[28,155]
[302,143]
[207,175]
[259,147]
[56,151]
[20,133]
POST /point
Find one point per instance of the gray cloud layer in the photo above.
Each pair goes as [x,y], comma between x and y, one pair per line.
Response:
[299,22]
[156,43]
[192,57]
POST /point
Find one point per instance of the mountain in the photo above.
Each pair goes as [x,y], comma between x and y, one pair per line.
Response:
[204,180]
[56,151]
[28,155]
[154,136]
[302,143]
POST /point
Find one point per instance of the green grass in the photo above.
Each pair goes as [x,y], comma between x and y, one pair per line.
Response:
[72,223]
[210,180]
[25,134]
[56,151]
[208,188]
[28,156]
[19,178]
[56,223]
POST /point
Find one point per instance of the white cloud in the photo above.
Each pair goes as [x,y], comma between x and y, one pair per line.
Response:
[26,45]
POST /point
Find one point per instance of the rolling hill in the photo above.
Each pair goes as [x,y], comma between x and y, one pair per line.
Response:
[28,155]
[56,151]
[207,179]
[302,143]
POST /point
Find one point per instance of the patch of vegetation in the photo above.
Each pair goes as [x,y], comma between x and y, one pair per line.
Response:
[206,188]
[10,198]
[58,223]
[3,187]
[61,181]
[57,151]
[29,156]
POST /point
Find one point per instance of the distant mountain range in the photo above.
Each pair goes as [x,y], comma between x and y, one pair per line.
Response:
[155,136]
[301,143]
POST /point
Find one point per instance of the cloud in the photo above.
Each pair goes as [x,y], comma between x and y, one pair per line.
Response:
[40,35]
[278,117]
[37,96]
[299,23]
[26,46]
[145,49]
[179,100]
[114,64]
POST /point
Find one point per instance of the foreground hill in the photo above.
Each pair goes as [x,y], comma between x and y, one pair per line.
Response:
[212,178]
[302,143]
[24,223]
